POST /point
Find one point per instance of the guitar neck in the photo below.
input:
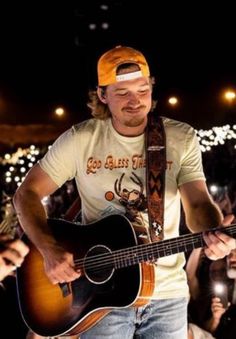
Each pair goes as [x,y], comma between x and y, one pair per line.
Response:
[153,251]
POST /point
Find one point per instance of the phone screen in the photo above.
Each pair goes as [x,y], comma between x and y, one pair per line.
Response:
[221,291]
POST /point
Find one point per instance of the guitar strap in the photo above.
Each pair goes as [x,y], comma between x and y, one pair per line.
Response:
[155,174]
[74,210]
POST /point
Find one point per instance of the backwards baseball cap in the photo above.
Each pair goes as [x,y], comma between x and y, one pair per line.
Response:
[111,60]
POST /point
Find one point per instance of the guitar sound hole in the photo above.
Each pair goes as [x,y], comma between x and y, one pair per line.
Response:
[98,264]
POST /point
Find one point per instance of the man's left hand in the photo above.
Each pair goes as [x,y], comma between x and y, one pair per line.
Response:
[219,244]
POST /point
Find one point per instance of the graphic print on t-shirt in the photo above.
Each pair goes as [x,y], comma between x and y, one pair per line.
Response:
[128,188]
[133,200]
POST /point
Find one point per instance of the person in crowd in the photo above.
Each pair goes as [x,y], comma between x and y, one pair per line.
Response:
[106,155]
[12,254]
[222,322]
[198,266]
[213,292]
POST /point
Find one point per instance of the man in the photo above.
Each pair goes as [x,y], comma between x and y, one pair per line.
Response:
[106,156]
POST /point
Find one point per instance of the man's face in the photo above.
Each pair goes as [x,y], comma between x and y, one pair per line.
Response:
[129,101]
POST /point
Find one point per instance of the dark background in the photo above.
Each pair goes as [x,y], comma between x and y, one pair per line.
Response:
[48,56]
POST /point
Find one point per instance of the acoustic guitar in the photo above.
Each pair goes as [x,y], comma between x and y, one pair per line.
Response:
[117,273]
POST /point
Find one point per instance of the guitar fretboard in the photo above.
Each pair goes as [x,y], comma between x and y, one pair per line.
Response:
[153,251]
[133,255]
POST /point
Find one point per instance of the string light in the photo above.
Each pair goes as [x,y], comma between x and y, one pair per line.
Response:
[215,136]
[18,163]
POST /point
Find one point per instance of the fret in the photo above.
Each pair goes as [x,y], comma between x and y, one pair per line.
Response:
[182,247]
[134,258]
[153,251]
[125,258]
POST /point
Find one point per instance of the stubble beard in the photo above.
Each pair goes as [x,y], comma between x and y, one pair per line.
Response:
[134,122]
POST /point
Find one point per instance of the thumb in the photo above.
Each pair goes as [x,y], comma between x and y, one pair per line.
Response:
[228,219]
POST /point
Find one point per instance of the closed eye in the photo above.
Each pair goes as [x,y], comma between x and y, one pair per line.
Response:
[122,94]
[143,92]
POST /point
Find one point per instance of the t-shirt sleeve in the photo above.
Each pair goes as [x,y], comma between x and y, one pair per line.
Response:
[191,168]
[59,161]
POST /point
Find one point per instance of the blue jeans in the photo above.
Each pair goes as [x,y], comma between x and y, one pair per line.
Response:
[162,319]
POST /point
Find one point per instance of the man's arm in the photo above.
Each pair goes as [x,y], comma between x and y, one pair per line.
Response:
[33,219]
[200,210]
[201,215]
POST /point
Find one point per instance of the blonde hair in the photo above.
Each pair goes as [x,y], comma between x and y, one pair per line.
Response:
[99,110]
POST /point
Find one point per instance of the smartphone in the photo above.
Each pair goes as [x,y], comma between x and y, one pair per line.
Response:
[221,291]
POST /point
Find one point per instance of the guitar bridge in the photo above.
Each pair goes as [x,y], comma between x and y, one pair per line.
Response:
[65,288]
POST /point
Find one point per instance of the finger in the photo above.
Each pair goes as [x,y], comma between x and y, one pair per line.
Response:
[219,243]
[5,237]
[20,247]
[211,255]
[229,241]
[70,274]
[228,219]
[212,241]
[12,257]
[63,274]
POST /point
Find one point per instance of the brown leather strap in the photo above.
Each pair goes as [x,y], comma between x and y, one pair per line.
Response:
[74,210]
[155,172]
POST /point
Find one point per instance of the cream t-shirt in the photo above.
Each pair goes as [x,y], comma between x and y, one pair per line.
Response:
[109,170]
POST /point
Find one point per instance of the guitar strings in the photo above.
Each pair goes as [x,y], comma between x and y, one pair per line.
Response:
[144,252]
[121,254]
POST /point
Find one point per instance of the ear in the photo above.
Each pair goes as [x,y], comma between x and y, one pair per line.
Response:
[101,95]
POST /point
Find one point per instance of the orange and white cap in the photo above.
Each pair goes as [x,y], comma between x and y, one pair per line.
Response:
[112,59]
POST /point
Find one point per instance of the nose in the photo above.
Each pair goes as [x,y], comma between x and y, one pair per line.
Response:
[134,99]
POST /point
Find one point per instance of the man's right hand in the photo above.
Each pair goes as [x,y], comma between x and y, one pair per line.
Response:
[59,265]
